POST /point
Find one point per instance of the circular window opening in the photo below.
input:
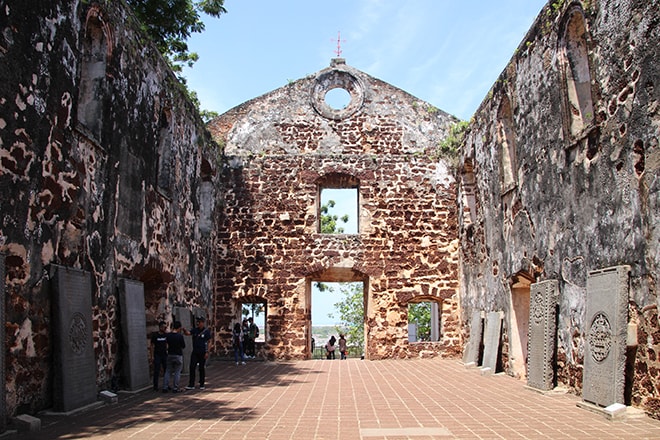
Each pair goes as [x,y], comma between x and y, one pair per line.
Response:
[338,98]
[337,94]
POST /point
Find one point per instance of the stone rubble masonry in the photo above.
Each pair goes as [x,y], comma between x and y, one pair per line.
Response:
[280,150]
[86,194]
[106,167]
[577,197]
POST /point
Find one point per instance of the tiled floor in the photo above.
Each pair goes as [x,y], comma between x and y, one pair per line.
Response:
[352,399]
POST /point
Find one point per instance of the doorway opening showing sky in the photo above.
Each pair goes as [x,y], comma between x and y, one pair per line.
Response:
[338,308]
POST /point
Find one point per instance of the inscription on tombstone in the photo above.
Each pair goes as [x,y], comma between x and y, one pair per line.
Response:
[542,331]
[182,314]
[471,355]
[606,330]
[134,333]
[74,362]
[492,332]
[198,313]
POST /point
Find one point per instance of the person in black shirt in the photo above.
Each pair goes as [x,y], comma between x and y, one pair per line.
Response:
[330,348]
[252,335]
[175,346]
[159,351]
[200,338]
[237,343]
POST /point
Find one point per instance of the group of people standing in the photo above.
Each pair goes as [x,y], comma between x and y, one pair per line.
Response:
[168,354]
[243,340]
[330,347]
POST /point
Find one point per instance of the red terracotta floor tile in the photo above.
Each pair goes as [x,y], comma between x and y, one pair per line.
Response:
[353,399]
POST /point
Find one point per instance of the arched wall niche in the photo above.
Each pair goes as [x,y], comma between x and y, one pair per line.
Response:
[574,56]
[506,138]
[96,53]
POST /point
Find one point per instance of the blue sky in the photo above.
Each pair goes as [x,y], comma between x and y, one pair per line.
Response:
[446,52]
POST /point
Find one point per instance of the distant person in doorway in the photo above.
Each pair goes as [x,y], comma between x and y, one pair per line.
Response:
[237,343]
[245,328]
[342,347]
[175,346]
[200,339]
[252,335]
[330,348]
[159,351]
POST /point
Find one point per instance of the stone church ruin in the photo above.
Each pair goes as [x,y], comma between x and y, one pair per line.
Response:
[536,239]
[281,150]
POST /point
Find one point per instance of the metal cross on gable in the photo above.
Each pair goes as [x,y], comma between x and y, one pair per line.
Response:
[339,41]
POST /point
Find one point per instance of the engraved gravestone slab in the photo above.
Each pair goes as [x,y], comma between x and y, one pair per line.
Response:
[131,194]
[134,334]
[3,409]
[74,380]
[542,331]
[182,314]
[605,337]
[471,354]
[198,313]
[492,331]
[206,204]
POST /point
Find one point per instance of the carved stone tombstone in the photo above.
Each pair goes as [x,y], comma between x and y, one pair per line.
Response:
[3,408]
[606,329]
[75,366]
[492,331]
[134,332]
[542,332]
[471,355]
[182,314]
[198,313]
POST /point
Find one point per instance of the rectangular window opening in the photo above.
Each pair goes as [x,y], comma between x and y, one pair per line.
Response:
[424,322]
[338,211]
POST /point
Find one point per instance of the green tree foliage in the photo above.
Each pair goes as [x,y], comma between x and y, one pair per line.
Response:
[351,313]
[420,314]
[329,226]
[170,23]
[252,310]
[329,221]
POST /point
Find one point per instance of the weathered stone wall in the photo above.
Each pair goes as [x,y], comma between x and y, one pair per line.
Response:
[560,177]
[280,149]
[104,165]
